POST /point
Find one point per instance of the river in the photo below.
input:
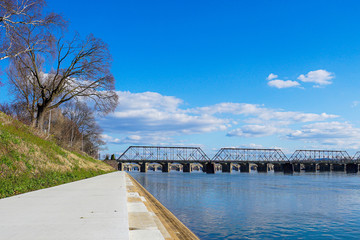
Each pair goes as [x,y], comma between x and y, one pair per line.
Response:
[260,205]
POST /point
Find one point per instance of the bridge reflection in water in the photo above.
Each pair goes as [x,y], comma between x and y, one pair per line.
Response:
[187,159]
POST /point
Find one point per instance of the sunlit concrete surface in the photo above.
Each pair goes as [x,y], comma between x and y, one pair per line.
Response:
[94,208]
[143,223]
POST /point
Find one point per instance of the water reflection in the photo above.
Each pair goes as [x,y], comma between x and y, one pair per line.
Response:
[261,206]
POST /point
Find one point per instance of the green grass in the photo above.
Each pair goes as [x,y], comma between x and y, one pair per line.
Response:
[13,185]
[29,162]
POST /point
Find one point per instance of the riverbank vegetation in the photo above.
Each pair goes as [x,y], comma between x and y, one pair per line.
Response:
[30,159]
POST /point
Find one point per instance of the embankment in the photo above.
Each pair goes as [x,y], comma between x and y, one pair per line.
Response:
[29,162]
[147,216]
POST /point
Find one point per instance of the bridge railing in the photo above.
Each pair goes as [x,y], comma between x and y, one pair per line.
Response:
[250,154]
[156,153]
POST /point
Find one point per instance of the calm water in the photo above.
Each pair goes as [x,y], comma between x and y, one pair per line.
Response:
[261,206]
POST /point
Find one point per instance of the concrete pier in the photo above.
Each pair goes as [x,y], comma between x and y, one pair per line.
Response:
[187,167]
[339,167]
[166,167]
[227,167]
[325,167]
[245,167]
[310,167]
[144,167]
[278,167]
[210,167]
[262,167]
[121,166]
[352,168]
[288,168]
[297,167]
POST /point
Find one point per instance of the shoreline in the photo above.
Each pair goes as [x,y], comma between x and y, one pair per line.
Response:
[149,218]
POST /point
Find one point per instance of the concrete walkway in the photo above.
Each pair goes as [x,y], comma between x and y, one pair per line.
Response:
[94,208]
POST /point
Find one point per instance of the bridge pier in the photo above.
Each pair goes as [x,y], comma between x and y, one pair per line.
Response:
[310,167]
[297,167]
[203,167]
[210,167]
[187,167]
[278,167]
[288,168]
[325,167]
[121,166]
[226,167]
[144,167]
[262,167]
[245,167]
[352,168]
[166,167]
[338,167]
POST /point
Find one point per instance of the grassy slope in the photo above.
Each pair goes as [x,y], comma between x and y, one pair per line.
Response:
[28,162]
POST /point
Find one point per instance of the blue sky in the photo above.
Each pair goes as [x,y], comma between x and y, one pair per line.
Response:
[197,73]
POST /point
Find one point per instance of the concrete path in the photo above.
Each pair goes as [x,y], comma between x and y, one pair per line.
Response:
[94,208]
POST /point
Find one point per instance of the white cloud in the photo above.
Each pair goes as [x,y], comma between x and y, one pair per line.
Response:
[320,77]
[261,114]
[147,100]
[256,131]
[336,134]
[151,118]
[272,76]
[283,84]
[325,130]
[153,112]
[143,139]
[251,145]
[110,139]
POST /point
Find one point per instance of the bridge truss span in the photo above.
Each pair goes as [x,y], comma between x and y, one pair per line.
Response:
[249,155]
[320,156]
[166,154]
[356,157]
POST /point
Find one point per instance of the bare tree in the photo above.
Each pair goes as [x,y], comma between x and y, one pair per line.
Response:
[7,109]
[81,117]
[16,110]
[82,129]
[81,71]
[19,16]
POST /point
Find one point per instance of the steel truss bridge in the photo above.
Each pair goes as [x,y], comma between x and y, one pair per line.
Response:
[320,156]
[249,154]
[243,159]
[173,154]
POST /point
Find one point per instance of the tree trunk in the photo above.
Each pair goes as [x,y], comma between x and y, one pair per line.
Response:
[40,117]
[72,135]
